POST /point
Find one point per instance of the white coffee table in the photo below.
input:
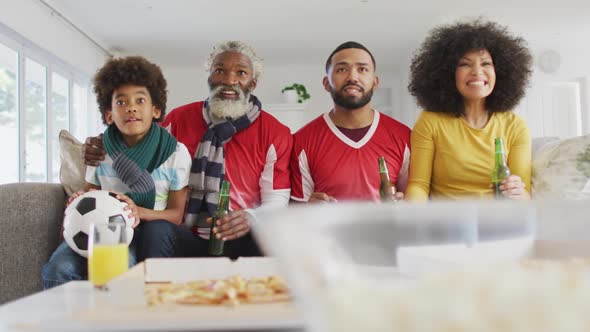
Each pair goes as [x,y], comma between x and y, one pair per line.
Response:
[77,306]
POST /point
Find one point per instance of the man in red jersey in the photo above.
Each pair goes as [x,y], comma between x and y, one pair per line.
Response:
[231,138]
[335,156]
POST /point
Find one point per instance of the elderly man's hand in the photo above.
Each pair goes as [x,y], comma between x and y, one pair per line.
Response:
[93,151]
[233,225]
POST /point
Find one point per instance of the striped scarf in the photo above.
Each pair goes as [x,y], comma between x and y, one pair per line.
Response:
[134,165]
[208,168]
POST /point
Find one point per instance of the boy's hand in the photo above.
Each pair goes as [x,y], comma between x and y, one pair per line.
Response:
[233,225]
[93,151]
[131,206]
[74,196]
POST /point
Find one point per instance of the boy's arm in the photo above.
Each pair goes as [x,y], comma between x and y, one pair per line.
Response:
[174,211]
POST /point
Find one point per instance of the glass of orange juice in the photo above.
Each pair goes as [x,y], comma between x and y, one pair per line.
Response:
[108,254]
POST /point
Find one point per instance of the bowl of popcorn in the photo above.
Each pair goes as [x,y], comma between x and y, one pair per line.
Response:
[437,266]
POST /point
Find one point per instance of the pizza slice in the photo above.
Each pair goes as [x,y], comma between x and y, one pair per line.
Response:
[230,291]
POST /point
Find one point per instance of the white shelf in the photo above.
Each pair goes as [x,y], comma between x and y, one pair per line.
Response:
[291,115]
[283,107]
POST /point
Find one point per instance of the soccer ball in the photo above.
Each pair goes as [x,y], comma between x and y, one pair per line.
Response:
[98,207]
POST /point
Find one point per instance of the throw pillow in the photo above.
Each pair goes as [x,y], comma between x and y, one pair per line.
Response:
[72,169]
[562,169]
[542,143]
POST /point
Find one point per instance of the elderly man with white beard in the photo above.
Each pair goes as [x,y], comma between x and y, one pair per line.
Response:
[231,138]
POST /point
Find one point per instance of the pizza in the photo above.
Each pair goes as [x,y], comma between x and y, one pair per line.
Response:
[230,291]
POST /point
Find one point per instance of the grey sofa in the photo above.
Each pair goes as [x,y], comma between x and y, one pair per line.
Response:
[30,224]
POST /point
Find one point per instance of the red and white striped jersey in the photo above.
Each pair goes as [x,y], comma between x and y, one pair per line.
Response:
[325,160]
[256,158]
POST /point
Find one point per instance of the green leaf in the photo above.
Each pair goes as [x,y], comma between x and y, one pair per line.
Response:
[301,91]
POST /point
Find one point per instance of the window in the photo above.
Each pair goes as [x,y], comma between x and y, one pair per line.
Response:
[9,168]
[58,119]
[35,122]
[39,96]
[80,119]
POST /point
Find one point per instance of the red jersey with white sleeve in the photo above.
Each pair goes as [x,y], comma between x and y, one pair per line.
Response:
[325,160]
[256,158]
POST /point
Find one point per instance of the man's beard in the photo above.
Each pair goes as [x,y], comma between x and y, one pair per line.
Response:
[228,108]
[351,102]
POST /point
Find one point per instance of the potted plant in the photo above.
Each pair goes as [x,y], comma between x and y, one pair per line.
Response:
[295,93]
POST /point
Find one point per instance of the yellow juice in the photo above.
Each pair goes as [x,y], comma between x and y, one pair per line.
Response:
[107,262]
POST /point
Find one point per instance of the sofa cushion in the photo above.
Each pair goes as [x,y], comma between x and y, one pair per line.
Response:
[72,170]
[542,143]
[30,223]
[561,168]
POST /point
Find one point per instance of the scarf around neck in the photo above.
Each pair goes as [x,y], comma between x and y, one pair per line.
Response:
[208,168]
[134,165]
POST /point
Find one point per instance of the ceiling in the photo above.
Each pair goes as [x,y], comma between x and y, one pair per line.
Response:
[305,32]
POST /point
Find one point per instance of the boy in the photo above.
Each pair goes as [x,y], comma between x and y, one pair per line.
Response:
[143,161]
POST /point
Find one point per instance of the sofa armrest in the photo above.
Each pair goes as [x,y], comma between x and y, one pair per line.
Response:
[31,215]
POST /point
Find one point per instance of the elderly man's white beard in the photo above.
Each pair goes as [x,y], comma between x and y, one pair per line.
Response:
[226,108]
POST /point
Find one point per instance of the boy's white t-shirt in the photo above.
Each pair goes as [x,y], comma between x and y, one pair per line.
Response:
[173,175]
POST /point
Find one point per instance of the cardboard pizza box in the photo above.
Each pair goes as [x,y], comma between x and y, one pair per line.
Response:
[158,270]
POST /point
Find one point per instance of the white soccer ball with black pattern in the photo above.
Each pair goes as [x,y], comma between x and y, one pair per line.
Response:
[99,207]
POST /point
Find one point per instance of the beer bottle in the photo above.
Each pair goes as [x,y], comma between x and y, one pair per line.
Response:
[215,244]
[501,170]
[386,188]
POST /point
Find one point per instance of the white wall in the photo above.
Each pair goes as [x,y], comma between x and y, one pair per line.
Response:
[407,110]
[34,21]
[186,84]
[557,103]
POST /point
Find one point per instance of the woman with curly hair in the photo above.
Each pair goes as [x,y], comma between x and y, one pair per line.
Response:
[468,77]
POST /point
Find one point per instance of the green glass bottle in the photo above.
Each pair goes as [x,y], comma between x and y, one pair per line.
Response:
[386,188]
[501,170]
[215,244]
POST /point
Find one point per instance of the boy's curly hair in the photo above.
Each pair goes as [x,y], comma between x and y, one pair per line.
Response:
[432,73]
[135,70]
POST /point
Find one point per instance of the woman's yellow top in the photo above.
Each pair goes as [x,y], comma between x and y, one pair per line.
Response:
[451,160]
